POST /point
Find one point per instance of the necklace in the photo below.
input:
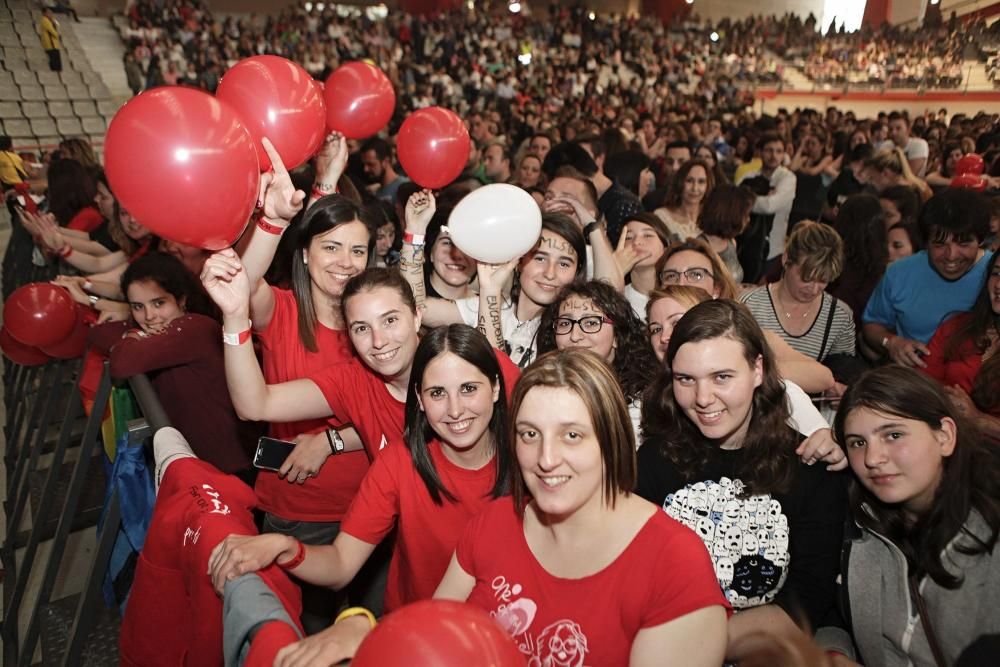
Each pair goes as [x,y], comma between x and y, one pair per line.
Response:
[777,293]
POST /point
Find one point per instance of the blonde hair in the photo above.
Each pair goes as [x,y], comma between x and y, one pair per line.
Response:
[895,161]
[817,249]
[686,295]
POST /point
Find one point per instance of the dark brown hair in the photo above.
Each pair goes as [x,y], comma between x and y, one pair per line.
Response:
[769,445]
[970,479]
[724,211]
[676,189]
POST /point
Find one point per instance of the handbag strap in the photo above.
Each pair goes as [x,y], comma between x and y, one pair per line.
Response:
[829,325]
[925,621]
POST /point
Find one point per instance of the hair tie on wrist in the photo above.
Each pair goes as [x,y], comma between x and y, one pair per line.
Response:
[66,251]
[296,560]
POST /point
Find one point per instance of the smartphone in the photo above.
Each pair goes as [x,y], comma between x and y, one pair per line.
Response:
[271,453]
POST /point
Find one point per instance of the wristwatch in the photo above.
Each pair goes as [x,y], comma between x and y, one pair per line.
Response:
[590,227]
[336,441]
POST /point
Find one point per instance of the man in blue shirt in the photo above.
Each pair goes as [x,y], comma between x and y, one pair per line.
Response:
[919,292]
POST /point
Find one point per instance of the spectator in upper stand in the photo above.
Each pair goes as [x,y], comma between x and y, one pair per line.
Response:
[777,202]
[376,159]
[917,293]
[496,163]
[48,32]
[915,148]
[615,203]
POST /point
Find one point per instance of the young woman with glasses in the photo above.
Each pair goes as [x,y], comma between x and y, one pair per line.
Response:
[595,316]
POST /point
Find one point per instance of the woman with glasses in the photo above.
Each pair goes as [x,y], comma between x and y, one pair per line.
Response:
[694,264]
[595,316]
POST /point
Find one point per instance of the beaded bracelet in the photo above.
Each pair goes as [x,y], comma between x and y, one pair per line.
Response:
[300,556]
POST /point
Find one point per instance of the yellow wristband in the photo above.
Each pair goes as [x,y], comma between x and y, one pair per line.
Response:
[356,611]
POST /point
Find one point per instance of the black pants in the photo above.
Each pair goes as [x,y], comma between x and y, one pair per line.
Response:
[55,60]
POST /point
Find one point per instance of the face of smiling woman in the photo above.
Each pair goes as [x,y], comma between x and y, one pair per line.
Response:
[714,386]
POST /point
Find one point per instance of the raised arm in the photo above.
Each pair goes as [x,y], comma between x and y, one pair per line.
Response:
[280,202]
[226,282]
[606,268]
[331,161]
[419,211]
[492,278]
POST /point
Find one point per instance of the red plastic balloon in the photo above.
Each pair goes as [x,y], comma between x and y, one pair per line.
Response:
[433,147]
[971,163]
[39,314]
[442,633]
[969,182]
[276,99]
[73,345]
[18,352]
[359,100]
[184,164]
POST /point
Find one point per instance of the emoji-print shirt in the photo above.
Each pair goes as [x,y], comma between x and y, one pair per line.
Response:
[781,547]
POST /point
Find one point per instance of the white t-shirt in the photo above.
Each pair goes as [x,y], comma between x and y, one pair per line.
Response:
[638,301]
[520,336]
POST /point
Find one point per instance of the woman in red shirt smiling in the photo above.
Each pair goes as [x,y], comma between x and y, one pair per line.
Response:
[449,469]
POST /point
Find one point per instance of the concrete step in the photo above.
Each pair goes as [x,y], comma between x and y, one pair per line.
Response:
[104,49]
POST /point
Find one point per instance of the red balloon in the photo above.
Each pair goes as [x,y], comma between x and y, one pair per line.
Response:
[39,314]
[184,164]
[75,344]
[442,633]
[19,353]
[969,182]
[276,99]
[433,147]
[359,100]
[971,163]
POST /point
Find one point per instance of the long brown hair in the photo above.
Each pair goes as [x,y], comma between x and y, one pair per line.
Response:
[769,445]
[970,479]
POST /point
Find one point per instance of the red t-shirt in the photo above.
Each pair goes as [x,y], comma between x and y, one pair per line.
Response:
[428,533]
[964,368]
[358,396]
[326,496]
[87,219]
[662,575]
[173,616]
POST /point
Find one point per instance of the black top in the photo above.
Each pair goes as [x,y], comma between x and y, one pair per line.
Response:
[778,547]
[617,205]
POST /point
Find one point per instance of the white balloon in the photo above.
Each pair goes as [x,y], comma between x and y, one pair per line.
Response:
[496,223]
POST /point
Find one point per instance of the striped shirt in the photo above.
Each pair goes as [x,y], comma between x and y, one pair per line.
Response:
[841,339]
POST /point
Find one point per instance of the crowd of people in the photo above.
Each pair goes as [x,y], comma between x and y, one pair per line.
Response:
[753,359]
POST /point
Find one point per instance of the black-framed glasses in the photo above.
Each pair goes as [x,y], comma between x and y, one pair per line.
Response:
[695,275]
[590,324]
